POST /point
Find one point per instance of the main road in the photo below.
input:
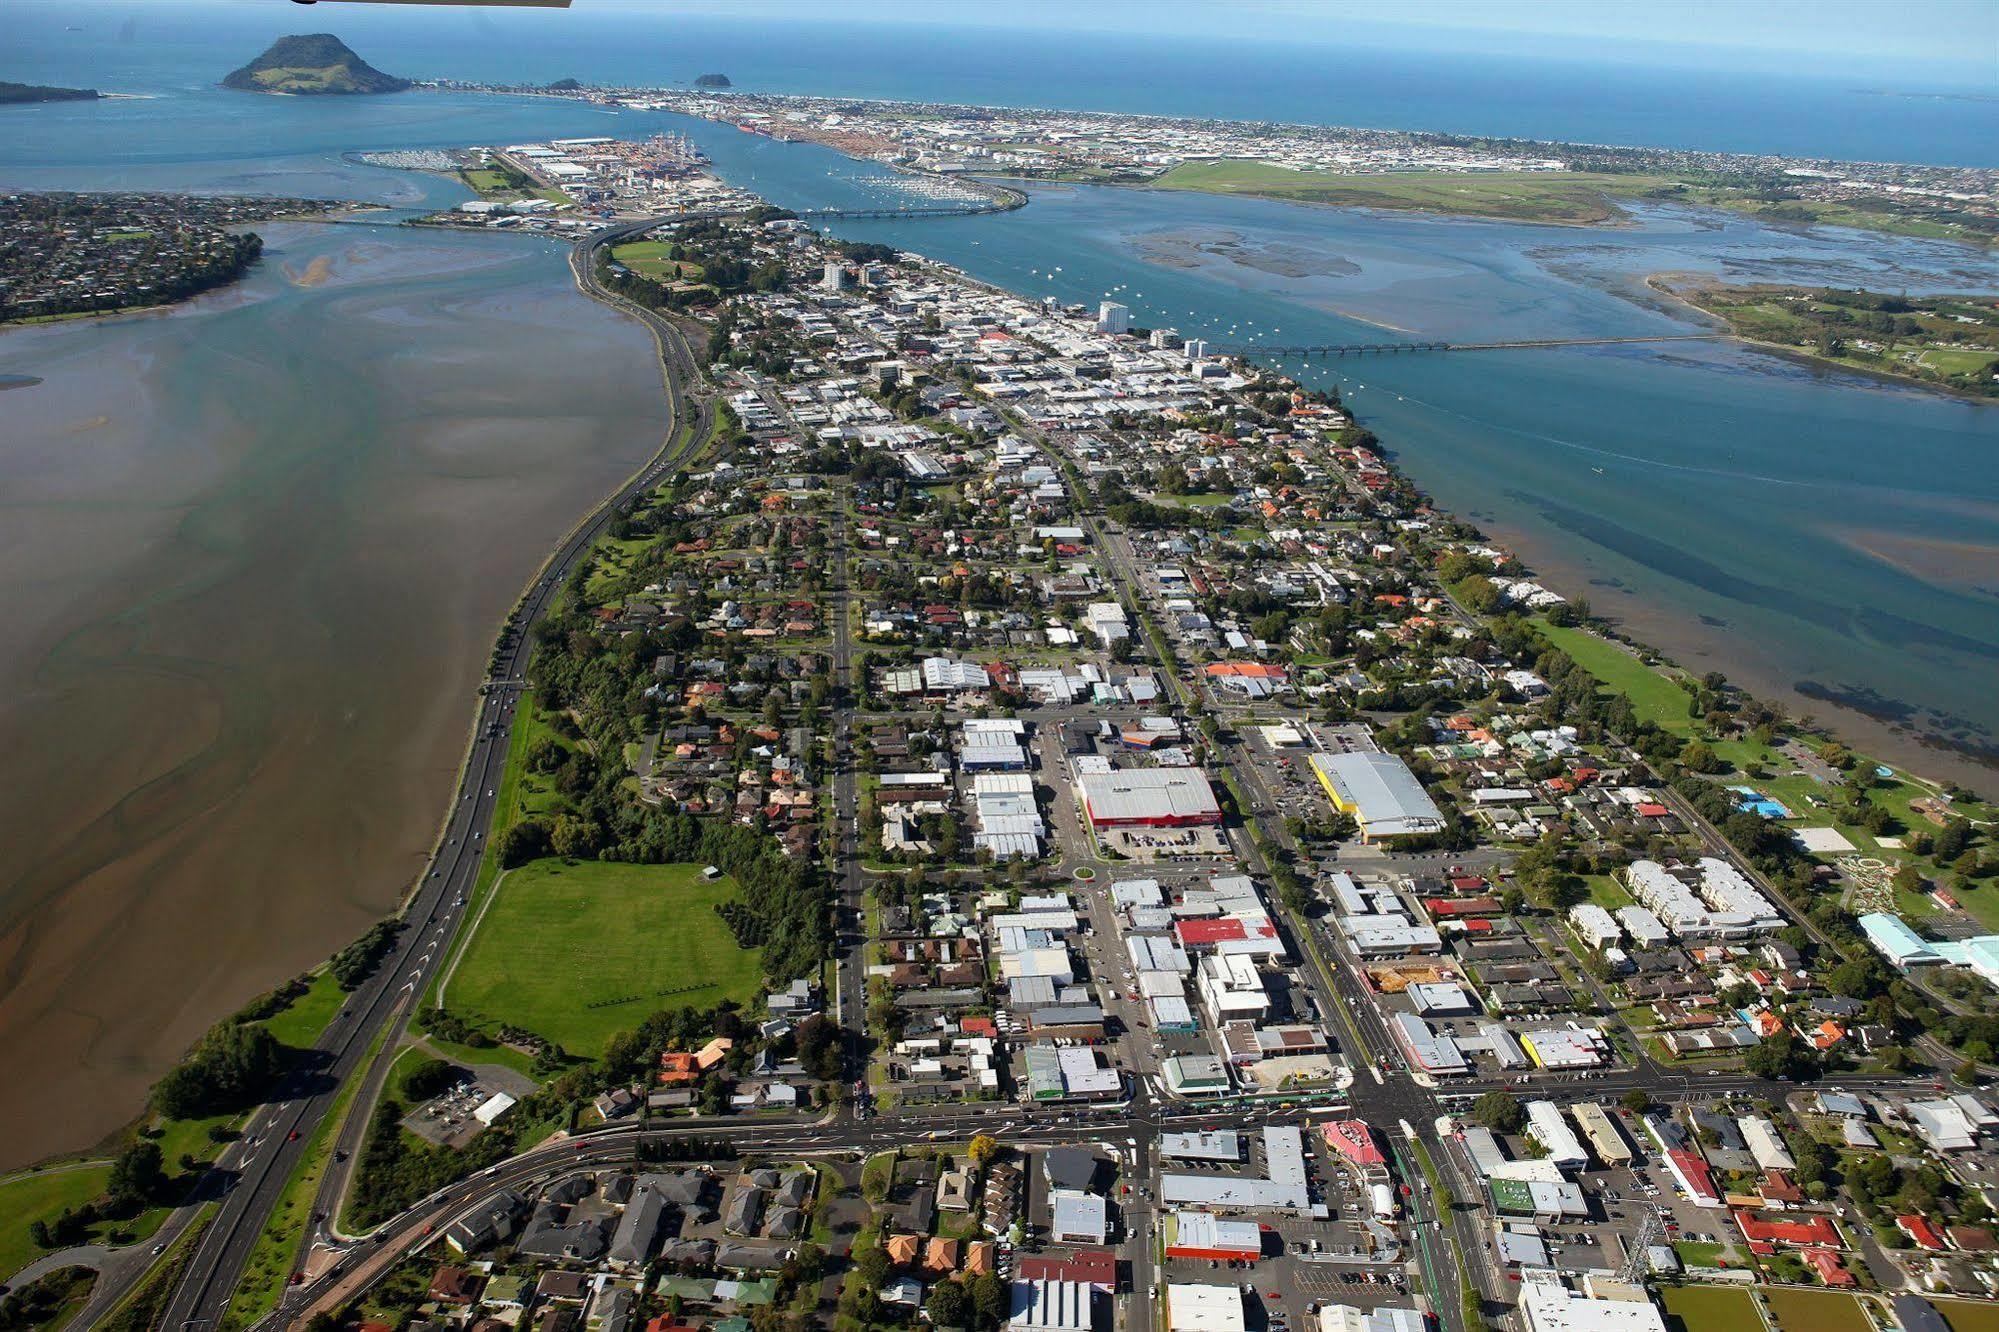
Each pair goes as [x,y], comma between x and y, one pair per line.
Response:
[251,1179]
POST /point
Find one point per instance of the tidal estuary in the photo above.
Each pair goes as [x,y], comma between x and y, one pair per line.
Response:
[254,553]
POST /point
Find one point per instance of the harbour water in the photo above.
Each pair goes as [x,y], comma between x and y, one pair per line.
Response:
[254,548]
[254,554]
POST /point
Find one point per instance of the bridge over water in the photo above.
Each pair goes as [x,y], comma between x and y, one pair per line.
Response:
[1327,350]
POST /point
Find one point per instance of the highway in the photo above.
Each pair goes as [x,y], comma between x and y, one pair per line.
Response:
[251,1178]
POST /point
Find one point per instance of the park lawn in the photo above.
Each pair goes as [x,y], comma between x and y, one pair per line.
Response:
[42,1195]
[299,1025]
[1655,697]
[1816,1311]
[1701,1308]
[531,794]
[1521,196]
[578,951]
[610,562]
[1210,500]
[1606,892]
[1968,1315]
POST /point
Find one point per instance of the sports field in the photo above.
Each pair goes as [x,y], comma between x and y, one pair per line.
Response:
[1709,1308]
[1968,1315]
[577,952]
[648,258]
[1816,1311]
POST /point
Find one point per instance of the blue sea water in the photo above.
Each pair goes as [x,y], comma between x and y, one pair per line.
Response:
[1334,80]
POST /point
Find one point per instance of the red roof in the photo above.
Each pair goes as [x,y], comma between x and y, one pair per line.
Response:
[1650,811]
[1919,1229]
[1831,1271]
[1695,1172]
[1095,1267]
[1461,906]
[1354,1139]
[1221,929]
[1804,1230]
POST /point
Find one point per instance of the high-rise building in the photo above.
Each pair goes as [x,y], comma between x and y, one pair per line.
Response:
[1113,318]
[1197,349]
[836,277]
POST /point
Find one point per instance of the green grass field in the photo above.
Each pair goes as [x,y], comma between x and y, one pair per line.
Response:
[1520,196]
[1707,1308]
[1655,697]
[25,1197]
[648,258]
[578,952]
[1816,1311]
[299,1026]
[1968,1315]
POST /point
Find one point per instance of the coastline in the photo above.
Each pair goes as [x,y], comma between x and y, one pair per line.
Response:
[1656,283]
[1683,641]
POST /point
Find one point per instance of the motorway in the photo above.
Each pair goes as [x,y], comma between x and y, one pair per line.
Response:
[252,1177]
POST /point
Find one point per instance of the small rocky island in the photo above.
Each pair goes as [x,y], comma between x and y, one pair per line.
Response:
[17,94]
[315,64]
[713,81]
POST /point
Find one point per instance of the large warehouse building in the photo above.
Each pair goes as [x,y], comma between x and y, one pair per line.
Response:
[1380,792]
[1148,798]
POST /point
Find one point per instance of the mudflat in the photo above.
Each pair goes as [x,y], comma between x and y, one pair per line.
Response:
[254,555]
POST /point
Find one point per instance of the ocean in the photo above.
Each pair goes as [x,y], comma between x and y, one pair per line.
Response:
[1340,81]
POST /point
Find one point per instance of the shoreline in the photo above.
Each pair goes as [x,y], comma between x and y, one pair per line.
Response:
[1656,283]
[1677,638]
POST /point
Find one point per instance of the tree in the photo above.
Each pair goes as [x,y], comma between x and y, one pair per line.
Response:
[136,1174]
[989,1301]
[1700,757]
[522,842]
[1500,1111]
[227,1071]
[982,1149]
[872,1264]
[946,1305]
[1637,1100]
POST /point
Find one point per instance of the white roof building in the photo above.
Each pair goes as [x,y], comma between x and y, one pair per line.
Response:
[1050,1306]
[1201,1308]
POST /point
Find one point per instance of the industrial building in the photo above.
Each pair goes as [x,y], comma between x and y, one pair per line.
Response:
[1380,792]
[1148,798]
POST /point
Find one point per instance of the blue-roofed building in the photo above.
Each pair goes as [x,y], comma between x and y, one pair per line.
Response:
[1893,938]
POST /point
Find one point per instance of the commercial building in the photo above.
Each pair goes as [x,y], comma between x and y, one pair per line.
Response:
[1050,1306]
[1203,1235]
[1077,1217]
[1347,1318]
[1605,1137]
[1547,1127]
[1113,318]
[1380,792]
[1546,1305]
[1148,798]
[1433,1052]
[1232,988]
[1282,1188]
[1198,1308]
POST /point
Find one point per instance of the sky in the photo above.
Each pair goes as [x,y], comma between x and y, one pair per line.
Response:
[1861,37]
